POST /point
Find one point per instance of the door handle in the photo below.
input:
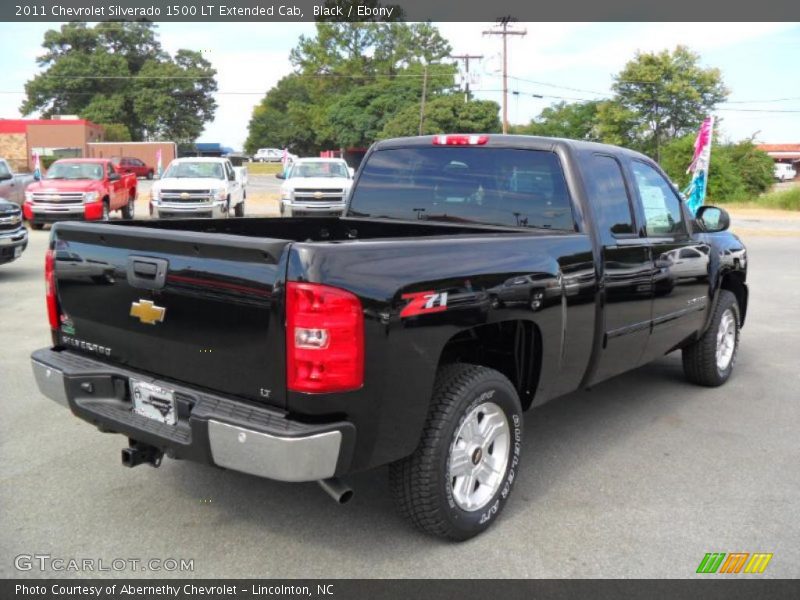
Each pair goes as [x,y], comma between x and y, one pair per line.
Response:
[147,273]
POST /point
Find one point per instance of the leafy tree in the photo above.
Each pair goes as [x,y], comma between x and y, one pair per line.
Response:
[664,95]
[350,78]
[574,120]
[118,73]
[446,114]
[116,132]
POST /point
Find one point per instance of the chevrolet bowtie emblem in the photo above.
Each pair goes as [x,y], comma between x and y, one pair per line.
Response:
[147,312]
[317,194]
[184,195]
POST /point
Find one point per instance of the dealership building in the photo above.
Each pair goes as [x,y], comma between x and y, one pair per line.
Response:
[62,137]
[784,153]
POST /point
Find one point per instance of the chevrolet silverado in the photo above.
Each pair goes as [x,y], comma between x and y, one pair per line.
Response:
[472,278]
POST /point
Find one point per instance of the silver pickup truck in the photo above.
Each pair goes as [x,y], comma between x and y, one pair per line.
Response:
[12,185]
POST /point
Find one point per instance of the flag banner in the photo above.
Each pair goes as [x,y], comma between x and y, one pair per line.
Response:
[37,166]
[158,162]
[696,191]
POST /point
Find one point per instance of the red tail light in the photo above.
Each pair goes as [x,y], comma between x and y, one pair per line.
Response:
[50,290]
[460,140]
[324,339]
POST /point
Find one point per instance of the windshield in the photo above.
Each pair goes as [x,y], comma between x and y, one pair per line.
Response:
[184,170]
[319,169]
[75,170]
[493,186]
[4,172]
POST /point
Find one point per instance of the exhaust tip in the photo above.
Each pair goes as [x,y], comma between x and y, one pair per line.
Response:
[336,489]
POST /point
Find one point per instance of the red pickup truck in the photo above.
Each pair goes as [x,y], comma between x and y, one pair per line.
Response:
[82,189]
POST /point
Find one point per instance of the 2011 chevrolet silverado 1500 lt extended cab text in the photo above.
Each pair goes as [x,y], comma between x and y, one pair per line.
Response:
[471,278]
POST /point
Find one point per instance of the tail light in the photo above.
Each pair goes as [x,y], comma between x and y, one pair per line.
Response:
[324,339]
[460,140]
[50,290]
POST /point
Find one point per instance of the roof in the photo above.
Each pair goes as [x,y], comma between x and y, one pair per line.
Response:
[309,159]
[21,125]
[779,147]
[84,160]
[199,159]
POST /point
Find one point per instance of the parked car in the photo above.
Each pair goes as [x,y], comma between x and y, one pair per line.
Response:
[13,235]
[785,171]
[82,189]
[272,155]
[133,165]
[315,187]
[12,185]
[342,344]
[199,187]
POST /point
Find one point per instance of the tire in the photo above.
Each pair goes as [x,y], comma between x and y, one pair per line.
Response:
[129,210]
[424,490]
[149,174]
[37,226]
[238,210]
[709,361]
[106,212]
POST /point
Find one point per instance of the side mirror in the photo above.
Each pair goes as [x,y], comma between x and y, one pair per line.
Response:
[4,176]
[113,176]
[713,219]
[280,176]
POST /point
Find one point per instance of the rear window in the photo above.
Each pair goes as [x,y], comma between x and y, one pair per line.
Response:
[494,186]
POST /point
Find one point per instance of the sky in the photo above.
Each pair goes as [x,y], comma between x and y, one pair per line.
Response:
[572,61]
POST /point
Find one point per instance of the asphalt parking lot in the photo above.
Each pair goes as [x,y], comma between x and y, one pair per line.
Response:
[639,477]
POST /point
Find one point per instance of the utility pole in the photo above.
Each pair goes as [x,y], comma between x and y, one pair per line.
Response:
[503,23]
[424,93]
[466,58]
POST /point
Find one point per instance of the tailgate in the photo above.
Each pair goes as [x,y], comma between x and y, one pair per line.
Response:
[193,307]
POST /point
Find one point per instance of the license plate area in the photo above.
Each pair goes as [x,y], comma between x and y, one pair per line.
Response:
[153,401]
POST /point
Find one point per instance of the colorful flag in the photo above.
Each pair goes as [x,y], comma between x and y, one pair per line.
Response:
[285,160]
[696,191]
[37,166]
[158,162]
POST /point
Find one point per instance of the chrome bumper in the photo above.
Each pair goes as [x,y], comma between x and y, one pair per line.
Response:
[309,454]
[288,207]
[216,208]
[38,208]
[14,238]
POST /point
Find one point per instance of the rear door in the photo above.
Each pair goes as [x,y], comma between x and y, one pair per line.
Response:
[183,306]
[627,271]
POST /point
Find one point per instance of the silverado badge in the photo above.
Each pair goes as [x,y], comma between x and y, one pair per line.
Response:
[147,312]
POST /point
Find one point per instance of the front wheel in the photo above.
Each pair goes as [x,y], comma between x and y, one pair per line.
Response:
[106,212]
[460,477]
[238,210]
[709,361]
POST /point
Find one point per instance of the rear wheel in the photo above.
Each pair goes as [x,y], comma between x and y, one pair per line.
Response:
[149,174]
[239,209]
[129,209]
[709,361]
[461,474]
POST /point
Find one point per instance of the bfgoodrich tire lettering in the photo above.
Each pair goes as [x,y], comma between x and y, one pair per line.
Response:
[422,485]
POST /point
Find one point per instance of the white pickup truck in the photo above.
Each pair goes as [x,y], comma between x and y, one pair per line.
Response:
[12,185]
[199,187]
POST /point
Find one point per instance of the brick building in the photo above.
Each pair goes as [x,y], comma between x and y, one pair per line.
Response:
[60,137]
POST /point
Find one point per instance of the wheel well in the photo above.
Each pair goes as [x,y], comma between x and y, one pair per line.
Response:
[734,283]
[511,347]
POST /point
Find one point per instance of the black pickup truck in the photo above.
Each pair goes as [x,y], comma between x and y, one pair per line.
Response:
[472,278]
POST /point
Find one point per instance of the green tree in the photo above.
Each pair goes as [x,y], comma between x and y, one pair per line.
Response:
[118,73]
[573,120]
[446,114]
[350,78]
[116,132]
[666,95]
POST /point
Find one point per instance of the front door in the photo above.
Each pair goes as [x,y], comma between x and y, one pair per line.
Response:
[680,265]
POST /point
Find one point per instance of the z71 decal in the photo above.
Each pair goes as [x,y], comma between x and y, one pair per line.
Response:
[423,303]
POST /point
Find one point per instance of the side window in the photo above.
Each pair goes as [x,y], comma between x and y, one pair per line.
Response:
[229,171]
[609,196]
[662,207]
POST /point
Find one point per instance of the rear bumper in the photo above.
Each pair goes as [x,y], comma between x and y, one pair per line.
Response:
[214,429]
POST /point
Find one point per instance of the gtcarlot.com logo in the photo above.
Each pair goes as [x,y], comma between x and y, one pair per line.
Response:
[734,563]
[47,562]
